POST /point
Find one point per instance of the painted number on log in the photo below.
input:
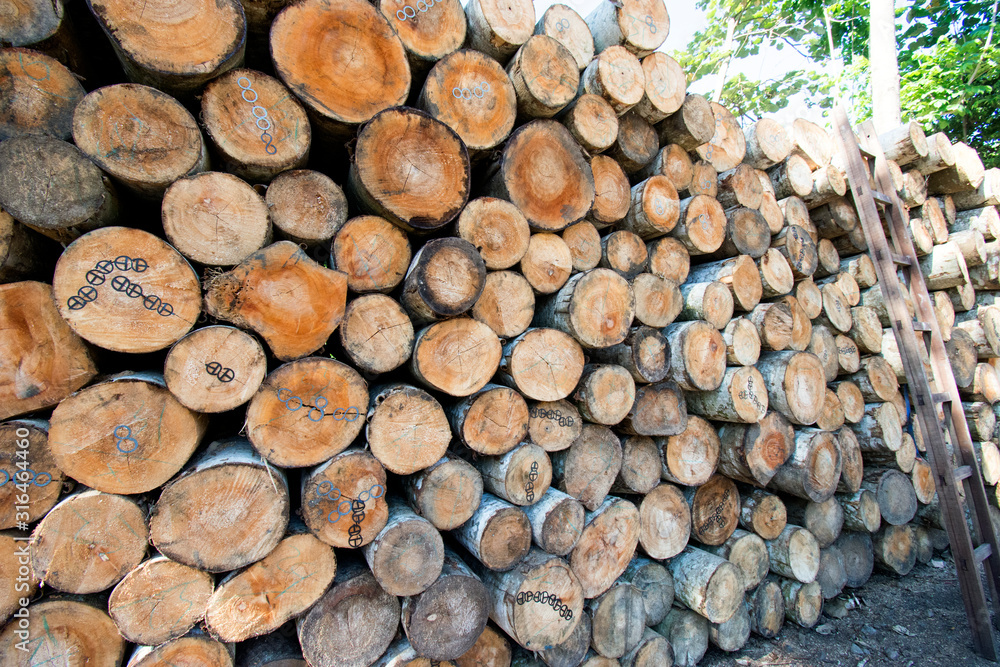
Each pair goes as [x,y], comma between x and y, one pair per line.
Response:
[544,597]
[294,403]
[529,488]
[219,371]
[408,12]
[716,518]
[477,91]
[259,113]
[123,439]
[98,275]
[554,415]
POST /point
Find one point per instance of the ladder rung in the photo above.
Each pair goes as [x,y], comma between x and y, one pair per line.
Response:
[963,472]
[881,198]
[921,326]
[901,259]
[942,397]
[983,551]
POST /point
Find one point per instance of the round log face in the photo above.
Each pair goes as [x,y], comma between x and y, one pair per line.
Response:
[44,479]
[593,123]
[643,23]
[602,309]
[666,83]
[407,430]
[566,194]
[202,649]
[664,522]
[563,24]
[37,95]
[554,425]
[805,387]
[470,93]
[546,364]
[191,37]
[376,333]
[457,356]
[423,180]
[372,252]
[715,510]
[429,33]
[138,134]
[128,436]
[691,457]
[597,560]
[548,72]
[704,353]
[496,422]
[306,205]
[728,146]
[126,290]
[63,628]
[621,77]
[611,201]
[256,124]
[497,229]
[506,305]
[343,60]
[215,368]
[347,491]
[307,411]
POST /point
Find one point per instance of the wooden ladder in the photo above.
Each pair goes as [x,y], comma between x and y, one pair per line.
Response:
[947,475]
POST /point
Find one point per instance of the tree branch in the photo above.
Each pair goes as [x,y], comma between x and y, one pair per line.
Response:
[986,46]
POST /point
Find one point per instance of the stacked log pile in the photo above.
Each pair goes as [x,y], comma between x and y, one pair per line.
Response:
[466,337]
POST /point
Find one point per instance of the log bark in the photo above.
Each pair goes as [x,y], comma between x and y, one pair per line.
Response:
[733,634]
[940,155]
[794,554]
[407,555]
[563,357]
[813,470]
[795,383]
[763,513]
[446,493]
[791,178]
[159,600]
[589,467]
[299,570]
[224,511]
[966,174]
[707,584]
[739,274]
[407,429]
[987,194]
[690,457]
[325,631]
[575,310]
[436,363]
[711,302]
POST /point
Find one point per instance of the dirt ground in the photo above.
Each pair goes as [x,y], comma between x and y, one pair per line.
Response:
[912,621]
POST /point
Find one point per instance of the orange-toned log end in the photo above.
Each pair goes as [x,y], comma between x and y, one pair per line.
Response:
[196,648]
[215,218]
[428,34]
[174,46]
[283,295]
[343,60]
[471,93]
[126,290]
[44,479]
[543,364]
[613,196]
[126,435]
[63,628]
[259,128]
[297,573]
[307,411]
[47,361]
[411,169]
[373,253]
[497,229]
[567,192]
[592,121]
[141,136]
[37,95]
[159,601]
[456,356]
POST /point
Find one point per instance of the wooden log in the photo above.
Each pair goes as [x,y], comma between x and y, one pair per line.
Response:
[496,229]
[799,249]
[861,511]
[429,38]
[617,76]
[613,198]
[690,126]
[498,534]
[77,627]
[711,302]
[880,429]
[803,601]
[932,213]
[307,207]
[791,178]
[164,145]
[573,650]
[858,557]
[775,274]
[836,309]
[617,25]
[824,520]
[703,181]
[636,144]
[813,470]
[690,457]
[701,226]
[747,233]
[491,421]
[159,600]
[772,213]
[707,584]
[34,479]
[741,397]
[823,344]
[940,155]
[987,194]
[492,647]
[652,649]
[605,393]
[894,492]
[548,263]
[520,476]
[981,420]
[827,185]
[92,439]
[922,478]
[985,220]
[766,607]
[747,552]
[687,633]
[506,304]
[659,409]
[588,468]
[849,360]
[763,513]
[436,365]
[196,645]
[606,545]
[673,162]
[739,274]
[767,144]
[794,554]
[205,40]
[256,145]
[852,468]
[669,259]
[726,148]
[795,384]
[372,252]
[733,634]
[545,76]
[591,325]
[966,174]
[740,187]
[618,620]
[324,631]
[407,429]
[84,199]
[654,210]
[655,585]
[40,94]
[961,350]
[895,549]
[753,453]
[715,507]
[346,504]
[114,528]
[811,142]
[904,144]
[446,493]
[985,385]
[406,556]
[925,544]
[300,567]
[623,252]
[835,218]
[742,342]
[801,324]
[556,521]
[665,87]
[554,425]
[562,23]
[584,245]
[520,364]
[774,325]
[645,354]
[914,191]
[224,511]
[592,121]
[376,333]
[698,353]
[22,250]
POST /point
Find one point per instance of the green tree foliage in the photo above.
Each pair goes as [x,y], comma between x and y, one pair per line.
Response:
[949,60]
